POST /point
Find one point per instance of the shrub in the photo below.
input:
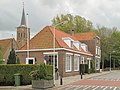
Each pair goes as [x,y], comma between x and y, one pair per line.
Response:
[7,73]
[41,73]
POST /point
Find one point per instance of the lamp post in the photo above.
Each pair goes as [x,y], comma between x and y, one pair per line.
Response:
[27,38]
[54,26]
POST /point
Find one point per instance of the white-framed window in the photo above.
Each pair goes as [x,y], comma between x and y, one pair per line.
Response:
[71,44]
[77,44]
[97,64]
[76,63]
[82,60]
[84,47]
[30,60]
[89,62]
[68,63]
[97,41]
[96,50]
[68,41]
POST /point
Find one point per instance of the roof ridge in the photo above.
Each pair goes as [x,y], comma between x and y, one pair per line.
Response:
[86,32]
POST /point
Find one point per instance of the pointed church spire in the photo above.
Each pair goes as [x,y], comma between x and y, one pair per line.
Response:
[23,20]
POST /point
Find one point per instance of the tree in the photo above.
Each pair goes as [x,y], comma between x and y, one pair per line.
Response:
[78,23]
[12,57]
[116,48]
[1,56]
[108,42]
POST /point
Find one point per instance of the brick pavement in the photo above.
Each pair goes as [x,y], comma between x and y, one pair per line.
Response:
[97,83]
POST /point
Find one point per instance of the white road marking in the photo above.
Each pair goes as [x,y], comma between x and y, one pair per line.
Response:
[96,87]
[86,87]
[93,86]
[114,88]
[69,87]
[64,87]
[102,86]
[105,88]
[78,87]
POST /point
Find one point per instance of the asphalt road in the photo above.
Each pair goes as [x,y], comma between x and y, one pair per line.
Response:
[83,87]
[109,81]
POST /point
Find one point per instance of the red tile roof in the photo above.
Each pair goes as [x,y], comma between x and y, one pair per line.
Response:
[44,39]
[5,44]
[85,36]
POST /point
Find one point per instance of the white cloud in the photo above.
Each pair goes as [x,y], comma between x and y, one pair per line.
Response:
[41,12]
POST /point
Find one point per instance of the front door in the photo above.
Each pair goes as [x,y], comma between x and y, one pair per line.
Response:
[48,59]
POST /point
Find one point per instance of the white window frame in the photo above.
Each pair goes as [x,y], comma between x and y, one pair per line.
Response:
[76,56]
[51,53]
[69,63]
[27,60]
[89,64]
[96,50]
[68,41]
[97,64]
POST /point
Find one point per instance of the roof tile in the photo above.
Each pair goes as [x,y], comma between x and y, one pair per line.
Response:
[85,36]
[44,39]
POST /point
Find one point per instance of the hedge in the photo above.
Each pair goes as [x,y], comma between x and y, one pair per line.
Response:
[7,73]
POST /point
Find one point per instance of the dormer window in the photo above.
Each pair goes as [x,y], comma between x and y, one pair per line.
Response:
[71,44]
[68,41]
[84,47]
[77,44]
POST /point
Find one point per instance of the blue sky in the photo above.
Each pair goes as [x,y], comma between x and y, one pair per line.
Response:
[41,12]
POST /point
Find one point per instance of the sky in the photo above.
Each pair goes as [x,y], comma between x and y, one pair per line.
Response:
[41,12]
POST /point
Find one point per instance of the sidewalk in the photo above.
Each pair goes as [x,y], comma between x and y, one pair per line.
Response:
[66,80]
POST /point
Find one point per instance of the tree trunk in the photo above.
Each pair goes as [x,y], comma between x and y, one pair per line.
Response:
[113,63]
[103,63]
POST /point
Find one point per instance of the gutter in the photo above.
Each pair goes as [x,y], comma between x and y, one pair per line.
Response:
[53,49]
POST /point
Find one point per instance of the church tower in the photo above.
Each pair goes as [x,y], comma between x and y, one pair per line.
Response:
[23,32]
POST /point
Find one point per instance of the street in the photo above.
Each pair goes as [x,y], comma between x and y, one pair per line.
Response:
[85,87]
[109,81]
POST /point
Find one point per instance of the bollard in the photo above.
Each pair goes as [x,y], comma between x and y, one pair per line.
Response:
[81,76]
[61,82]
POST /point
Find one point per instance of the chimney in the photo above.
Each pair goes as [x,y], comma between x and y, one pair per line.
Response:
[72,32]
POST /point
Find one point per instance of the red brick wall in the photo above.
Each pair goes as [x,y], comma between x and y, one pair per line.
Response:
[61,61]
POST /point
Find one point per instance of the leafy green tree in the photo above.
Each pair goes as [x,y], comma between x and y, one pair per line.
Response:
[107,43]
[78,23]
[116,49]
[1,56]
[12,57]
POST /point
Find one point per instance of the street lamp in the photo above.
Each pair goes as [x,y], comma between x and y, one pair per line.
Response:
[54,26]
[27,38]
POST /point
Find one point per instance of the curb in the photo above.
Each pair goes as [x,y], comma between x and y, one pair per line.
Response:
[97,75]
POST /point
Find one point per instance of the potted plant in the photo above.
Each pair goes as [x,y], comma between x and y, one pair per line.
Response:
[41,79]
